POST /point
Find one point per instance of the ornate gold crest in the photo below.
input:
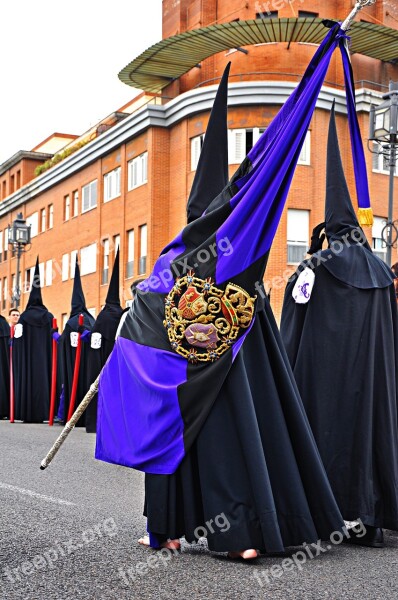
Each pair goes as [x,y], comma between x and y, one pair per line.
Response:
[203,321]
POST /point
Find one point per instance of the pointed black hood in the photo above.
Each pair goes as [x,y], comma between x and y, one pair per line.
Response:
[212,171]
[78,304]
[35,298]
[112,296]
[339,212]
[349,257]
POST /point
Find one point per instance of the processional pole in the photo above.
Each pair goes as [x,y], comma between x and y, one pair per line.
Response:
[359,5]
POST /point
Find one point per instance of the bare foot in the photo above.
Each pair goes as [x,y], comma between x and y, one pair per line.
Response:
[170,544]
[245,554]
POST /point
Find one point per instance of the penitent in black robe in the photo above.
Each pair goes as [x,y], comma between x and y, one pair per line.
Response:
[32,353]
[343,347]
[104,328]
[4,368]
[254,461]
[67,351]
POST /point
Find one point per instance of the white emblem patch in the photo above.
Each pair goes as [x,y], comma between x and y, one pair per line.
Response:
[18,331]
[303,287]
[74,336]
[96,339]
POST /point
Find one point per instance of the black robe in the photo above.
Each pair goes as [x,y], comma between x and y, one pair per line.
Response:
[272,487]
[67,355]
[106,324]
[4,368]
[343,348]
[32,354]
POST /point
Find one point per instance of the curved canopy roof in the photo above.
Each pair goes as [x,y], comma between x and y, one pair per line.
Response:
[172,57]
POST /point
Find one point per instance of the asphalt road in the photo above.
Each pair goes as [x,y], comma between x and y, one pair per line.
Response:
[70,532]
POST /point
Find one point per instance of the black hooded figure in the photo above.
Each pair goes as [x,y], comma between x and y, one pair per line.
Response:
[253,473]
[32,353]
[67,349]
[102,340]
[4,368]
[341,340]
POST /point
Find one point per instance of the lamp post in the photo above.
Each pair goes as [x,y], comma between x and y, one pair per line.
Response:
[18,238]
[383,129]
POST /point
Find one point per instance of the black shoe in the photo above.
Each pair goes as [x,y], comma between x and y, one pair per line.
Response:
[373,537]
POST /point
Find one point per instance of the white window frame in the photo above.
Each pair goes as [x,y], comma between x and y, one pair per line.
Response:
[305,154]
[72,264]
[130,253]
[50,216]
[379,162]
[66,207]
[196,148]
[42,274]
[49,272]
[137,171]
[65,267]
[297,234]
[88,259]
[379,247]
[112,184]
[142,263]
[33,221]
[89,196]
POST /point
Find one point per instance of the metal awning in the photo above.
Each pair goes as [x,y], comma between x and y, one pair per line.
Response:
[167,60]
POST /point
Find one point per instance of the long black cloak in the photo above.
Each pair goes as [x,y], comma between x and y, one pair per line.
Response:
[32,352]
[102,343]
[67,352]
[4,368]
[342,345]
[254,460]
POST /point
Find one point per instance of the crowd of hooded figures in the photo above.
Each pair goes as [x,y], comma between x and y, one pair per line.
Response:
[290,431]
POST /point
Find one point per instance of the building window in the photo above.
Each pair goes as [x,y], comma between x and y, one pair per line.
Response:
[33,221]
[305,154]
[308,14]
[42,274]
[64,320]
[89,196]
[143,249]
[378,245]
[18,179]
[50,216]
[49,272]
[138,171]
[67,208]
[297,234]
[240,142]
[116,244]
[112,184]
[75,203]
[130,253]
[5,292]
[1,248]
[29,274]
[73,257]
[269,14]
[380,161]
[65,267]
[105,262]
[42,220]
[5,250]
[196,148]
[88,257]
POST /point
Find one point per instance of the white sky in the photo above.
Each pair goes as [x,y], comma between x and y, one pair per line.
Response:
[59,64]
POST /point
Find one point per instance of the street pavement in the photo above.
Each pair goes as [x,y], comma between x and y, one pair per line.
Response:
[70,532]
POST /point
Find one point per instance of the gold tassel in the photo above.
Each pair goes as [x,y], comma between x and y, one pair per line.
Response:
[365,217]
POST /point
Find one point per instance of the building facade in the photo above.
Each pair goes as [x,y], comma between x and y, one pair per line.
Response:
[125,183]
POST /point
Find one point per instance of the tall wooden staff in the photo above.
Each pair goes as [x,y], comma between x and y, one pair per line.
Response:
[53,376]
[12,399]
[76,371]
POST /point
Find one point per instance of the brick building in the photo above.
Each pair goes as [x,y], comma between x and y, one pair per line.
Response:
[125,182]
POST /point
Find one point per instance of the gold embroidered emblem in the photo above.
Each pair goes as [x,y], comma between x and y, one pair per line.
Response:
[203,321]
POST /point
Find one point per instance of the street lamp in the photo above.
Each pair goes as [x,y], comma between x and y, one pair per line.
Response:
[18,238]
[383,129]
